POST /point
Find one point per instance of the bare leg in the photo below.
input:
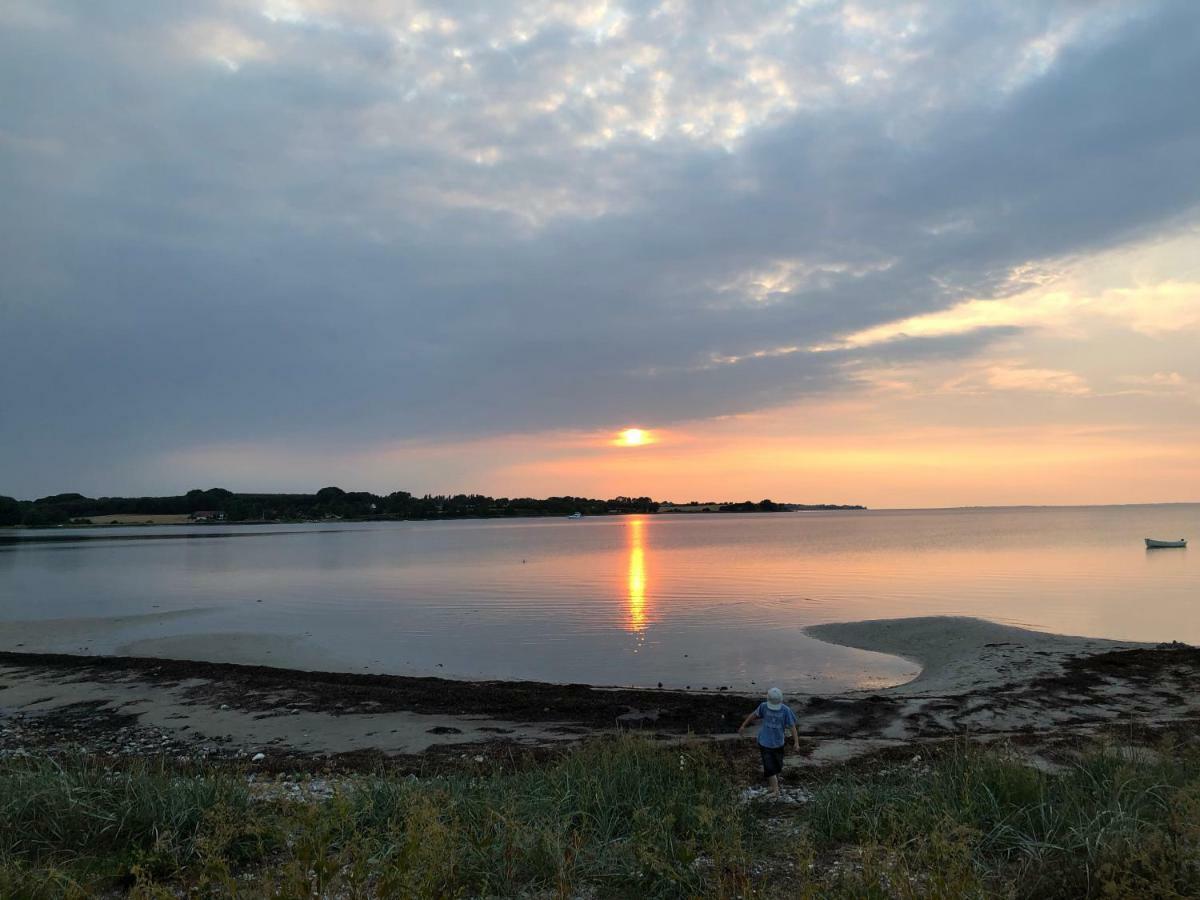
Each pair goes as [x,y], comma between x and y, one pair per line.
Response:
[773,784]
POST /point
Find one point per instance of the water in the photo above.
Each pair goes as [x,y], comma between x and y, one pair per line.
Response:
[697,600]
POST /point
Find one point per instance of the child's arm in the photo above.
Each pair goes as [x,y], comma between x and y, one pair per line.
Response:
[796,736]
[746,721]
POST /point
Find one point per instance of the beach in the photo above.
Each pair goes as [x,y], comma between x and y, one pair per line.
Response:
[347,784]
[977,678]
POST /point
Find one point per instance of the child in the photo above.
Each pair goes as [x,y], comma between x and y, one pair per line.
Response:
[775,718]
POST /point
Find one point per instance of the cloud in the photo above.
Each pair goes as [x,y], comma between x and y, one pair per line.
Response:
[1168,380]
[980,378]
[366,222]
[1015,377]
[1156,309]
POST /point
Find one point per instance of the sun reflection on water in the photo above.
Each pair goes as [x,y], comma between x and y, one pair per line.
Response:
[636,619]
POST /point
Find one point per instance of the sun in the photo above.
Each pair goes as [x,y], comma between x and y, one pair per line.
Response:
[633,437]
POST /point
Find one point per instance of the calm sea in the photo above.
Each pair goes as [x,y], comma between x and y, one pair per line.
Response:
[694,601]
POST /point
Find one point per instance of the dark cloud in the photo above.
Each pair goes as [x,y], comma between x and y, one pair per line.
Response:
[222,227]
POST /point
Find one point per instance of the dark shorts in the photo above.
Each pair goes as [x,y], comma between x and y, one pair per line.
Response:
[772,760]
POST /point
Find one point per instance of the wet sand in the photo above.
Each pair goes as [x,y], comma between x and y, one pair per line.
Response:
[979,679]
[959,653]
[209,634]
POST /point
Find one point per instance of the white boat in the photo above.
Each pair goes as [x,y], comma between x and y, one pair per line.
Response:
[575,515]
[1152,544]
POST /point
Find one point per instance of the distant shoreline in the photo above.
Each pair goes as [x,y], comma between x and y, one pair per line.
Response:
[140,520]
[334,504]
[152,521]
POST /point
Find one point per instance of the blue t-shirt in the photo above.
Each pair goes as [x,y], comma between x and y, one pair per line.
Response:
[774,721]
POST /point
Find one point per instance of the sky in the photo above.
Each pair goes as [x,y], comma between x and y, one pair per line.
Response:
[889,253]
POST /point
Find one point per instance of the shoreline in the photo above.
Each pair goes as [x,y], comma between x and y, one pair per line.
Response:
[961,653]
[978,678]
[135,522]
[800,508]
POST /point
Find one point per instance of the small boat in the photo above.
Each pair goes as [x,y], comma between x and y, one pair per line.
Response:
[1152,544]
[575,515]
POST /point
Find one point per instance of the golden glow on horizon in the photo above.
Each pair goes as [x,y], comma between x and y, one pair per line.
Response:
[633,437]
[1153,309]
[885,465]
[636,619]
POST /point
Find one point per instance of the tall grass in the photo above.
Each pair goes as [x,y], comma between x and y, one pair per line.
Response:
[614,818]
[621,814]
[1112,825]
[64,824]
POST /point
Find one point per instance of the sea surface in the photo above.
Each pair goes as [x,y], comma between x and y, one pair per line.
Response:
[696,601]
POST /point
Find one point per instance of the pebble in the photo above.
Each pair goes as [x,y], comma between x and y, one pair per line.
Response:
[258,757]
[786,795]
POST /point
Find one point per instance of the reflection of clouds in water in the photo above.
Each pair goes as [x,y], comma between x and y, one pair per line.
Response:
[738,588]
[636,619]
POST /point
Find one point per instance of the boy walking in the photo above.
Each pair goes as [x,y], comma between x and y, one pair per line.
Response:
[776,717]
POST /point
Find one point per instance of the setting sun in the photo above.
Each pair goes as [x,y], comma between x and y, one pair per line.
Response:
[633,437]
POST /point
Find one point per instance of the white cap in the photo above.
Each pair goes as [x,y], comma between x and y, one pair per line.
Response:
[774,698]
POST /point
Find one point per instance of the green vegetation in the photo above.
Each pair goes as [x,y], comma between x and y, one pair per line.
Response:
[70,825]
[614,818]
[11,511]
[334,503]
[329,502]
[974,822]
[621,816]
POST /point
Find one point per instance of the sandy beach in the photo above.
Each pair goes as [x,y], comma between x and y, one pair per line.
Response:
[978,678]
[958,654]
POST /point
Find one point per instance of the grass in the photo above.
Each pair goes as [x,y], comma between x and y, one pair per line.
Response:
[621,814]
[67,824]
[978,822]
[613,818]
[618,817]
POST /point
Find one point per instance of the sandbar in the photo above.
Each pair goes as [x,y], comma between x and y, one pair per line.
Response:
[963,653]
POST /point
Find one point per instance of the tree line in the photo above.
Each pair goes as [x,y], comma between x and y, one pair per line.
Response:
[335,503]
[328,502]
